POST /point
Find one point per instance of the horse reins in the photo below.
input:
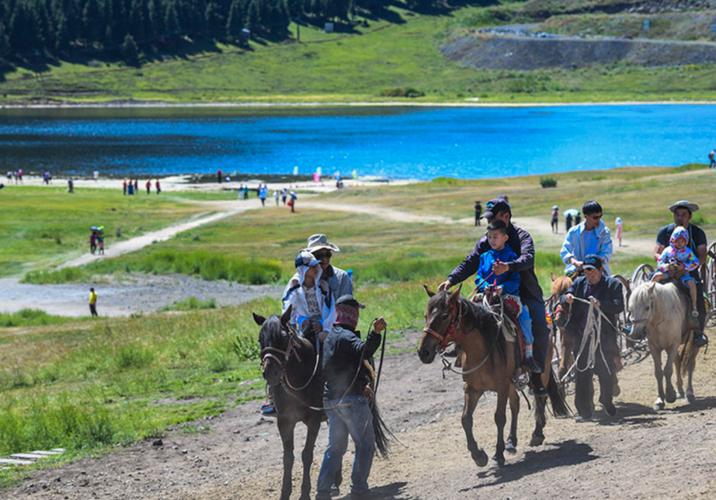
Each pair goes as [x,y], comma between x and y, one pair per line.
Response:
[269,353]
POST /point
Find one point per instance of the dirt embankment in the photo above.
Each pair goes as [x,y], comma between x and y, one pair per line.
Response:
[487,51]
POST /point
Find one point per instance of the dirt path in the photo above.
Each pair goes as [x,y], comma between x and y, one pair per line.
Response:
[638,454]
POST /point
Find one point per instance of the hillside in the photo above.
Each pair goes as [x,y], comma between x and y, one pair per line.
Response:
[406,55]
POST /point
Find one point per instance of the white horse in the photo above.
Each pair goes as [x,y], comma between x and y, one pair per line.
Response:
[661,311]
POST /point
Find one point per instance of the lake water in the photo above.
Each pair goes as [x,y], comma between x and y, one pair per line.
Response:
[401,142]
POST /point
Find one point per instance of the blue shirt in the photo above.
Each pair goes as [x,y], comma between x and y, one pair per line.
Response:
[509,281]
[591,242]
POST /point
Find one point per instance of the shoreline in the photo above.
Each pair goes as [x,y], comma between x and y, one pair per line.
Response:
[467,103]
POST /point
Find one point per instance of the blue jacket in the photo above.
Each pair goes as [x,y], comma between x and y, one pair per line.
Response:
[573,245]
[509,281]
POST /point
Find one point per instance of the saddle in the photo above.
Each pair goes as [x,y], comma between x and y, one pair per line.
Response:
[510,328]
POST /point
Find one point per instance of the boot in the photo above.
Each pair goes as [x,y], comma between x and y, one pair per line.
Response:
[532,365]
[694,320]
[700,340]
[537,387]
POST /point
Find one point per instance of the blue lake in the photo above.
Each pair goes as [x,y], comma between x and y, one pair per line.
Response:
[401,142]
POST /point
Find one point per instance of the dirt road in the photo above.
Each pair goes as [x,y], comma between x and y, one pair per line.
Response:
[638,454]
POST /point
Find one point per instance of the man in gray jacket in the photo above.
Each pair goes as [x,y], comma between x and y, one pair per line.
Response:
[339,282]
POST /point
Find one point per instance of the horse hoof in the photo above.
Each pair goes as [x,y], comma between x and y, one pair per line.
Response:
[659,405]
[511,446]
[480,458]
[690,398]
[499,460]
[536,440]
[681,394]
[670,396]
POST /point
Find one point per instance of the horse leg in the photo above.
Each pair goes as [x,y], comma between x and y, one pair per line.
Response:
[656,356]
[540,421]
[500,419]
[689,384]
[668,370]
[313,425]
[511,446]
[285,428]
[566,359]
[471,398]
[679,378]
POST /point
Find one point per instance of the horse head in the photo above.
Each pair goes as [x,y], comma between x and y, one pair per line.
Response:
[440,313]
[641,306]
[274,339]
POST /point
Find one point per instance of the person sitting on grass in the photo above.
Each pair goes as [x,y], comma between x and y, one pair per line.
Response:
[676,262]
[507,284]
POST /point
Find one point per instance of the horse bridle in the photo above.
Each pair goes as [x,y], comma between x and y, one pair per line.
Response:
[269,353]
[449,335]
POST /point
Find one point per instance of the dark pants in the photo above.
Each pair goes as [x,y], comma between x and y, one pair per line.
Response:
[701,305]
[93,309]
[584,383]
[539,329]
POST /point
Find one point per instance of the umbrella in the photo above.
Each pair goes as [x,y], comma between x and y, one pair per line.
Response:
[572,211]
[94,228]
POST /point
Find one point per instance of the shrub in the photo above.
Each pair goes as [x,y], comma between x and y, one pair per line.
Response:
[402,92]
[548,182]
[129,357]
[246,348]
[190,304]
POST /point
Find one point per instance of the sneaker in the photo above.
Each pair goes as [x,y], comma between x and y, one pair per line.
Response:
[268,410]
[609,409]
[532,365]
[700,339]
[582,418]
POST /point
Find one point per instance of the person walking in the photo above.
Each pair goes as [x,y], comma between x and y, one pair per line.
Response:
[93,302]
[148,185]
[568,222]
[130,188]
[292,201]
[554,222]
[157,186]
[93,241]
[70,185]
[263,191]
[124,187]
[219,176]
[478,212]
[284,195]
[275,196]
[348,398]
[620,227]
[136,186]
[712,159]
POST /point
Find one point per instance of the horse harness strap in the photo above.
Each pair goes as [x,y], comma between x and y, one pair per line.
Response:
[451,331]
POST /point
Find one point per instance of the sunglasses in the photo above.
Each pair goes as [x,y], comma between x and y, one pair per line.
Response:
[323,255]
[597,217]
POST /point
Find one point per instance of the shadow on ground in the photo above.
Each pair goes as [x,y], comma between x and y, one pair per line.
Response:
[564,453]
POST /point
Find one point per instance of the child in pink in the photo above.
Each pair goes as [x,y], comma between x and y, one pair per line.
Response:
[678,252]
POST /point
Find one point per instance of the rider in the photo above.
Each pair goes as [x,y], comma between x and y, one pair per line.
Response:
[676,255]
[508,284]
[590,237]
[347,397]
[606,293]
[683,211]
[521,243]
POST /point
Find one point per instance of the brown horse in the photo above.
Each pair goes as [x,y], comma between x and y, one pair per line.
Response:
[488,365]
[291,368]
[565,343]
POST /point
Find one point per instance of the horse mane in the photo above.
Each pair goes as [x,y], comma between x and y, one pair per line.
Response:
[668,307]
[484,321]
[560,285]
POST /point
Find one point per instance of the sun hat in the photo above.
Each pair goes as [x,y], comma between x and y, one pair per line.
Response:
[305,258]
[554,207]
[496,206]
[349,300]
[592,262]
[319,242]
[691,207]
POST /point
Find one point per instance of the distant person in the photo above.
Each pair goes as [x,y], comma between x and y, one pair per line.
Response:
[2,185]
[95,175]
[577,219]
[292,201]
[124,187]
[219,176]
[284,195]
[555,219]
[568,222]
[619,225]
[276,196]
[70,185]
[46,177]
[93,241]
[263,192]
[712,159]
[148,185]
[478,212]
[9,176]
[93,302]
[20,173]
[157,186]
[130,188]
[246,191]
[100,240]
[136,186]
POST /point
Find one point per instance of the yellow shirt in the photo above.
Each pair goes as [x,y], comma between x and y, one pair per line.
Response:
[93,298]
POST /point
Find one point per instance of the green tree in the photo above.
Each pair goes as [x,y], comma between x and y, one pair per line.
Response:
[130,52]
[171,19]
[92,22]
[235,22]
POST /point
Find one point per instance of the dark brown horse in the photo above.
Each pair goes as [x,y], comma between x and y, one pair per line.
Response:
[560,316]
[291,368]
[488,364]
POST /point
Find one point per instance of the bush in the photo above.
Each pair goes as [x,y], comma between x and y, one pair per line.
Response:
[29,317]
[402,92]
[190,304]
[246,348]
[548,182]
[132,357]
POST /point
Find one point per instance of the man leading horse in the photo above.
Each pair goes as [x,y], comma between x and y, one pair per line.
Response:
[530,291]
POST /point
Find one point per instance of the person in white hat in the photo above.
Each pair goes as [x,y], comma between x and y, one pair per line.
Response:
[683,211]
[339,282]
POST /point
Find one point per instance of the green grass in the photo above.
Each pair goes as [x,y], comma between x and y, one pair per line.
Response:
[191,304]
[46,225]
[31,317]
[370,65]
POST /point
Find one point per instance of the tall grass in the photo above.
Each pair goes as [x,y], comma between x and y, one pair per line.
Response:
[30,317]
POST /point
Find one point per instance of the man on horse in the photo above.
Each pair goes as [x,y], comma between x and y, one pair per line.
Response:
[603,293]
[521,243]
[590,237]
[348,397]
[683,211]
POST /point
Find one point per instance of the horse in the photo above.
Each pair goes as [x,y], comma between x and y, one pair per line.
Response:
[560,285]
[291,367]
[660,311]
[488,365]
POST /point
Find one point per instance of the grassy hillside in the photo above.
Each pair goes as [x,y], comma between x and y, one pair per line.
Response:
[375,63]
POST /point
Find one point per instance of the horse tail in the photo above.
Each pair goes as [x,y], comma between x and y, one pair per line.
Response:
[381,431]
[687,354]
[556,398]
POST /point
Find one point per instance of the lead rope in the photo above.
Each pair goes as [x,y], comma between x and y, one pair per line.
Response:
[591,340]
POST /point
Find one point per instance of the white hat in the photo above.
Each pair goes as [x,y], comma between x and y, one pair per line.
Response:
[320,241]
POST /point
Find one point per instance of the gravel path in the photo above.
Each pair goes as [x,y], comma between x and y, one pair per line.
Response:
[638,454]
